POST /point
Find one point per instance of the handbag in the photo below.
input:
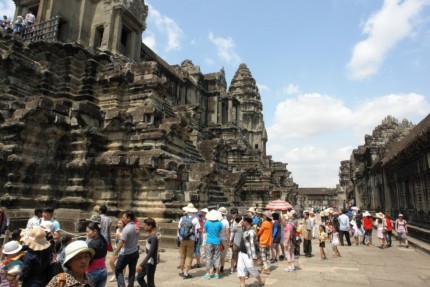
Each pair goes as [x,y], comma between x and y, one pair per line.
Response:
[221,247]
[109,247]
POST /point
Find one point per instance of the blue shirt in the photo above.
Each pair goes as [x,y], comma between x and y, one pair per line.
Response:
[213,230]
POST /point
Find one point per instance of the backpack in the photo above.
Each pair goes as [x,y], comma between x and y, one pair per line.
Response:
[186,228]
[294,236]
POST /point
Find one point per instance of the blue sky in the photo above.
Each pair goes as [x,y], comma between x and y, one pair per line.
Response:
[328,71]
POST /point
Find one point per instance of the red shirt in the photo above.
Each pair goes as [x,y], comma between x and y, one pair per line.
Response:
[389,224]
[367,223]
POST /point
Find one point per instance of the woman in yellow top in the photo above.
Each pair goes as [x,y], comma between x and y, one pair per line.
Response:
[322,238]
[265,235]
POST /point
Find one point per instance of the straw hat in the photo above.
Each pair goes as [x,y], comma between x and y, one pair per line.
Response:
[205,210]
[268,214]
[11,247]
[251,209]
[214,215]
[259,211]
[223,210]
[190,208]
[380,215]
[37,239]
[75,248]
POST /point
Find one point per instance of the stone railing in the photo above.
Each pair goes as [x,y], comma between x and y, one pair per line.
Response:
[46,31]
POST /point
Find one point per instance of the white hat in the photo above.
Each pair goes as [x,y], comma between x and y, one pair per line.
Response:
[11,247]
[223,210]
[47,225]
[204,210]
[214,215]
[288,216]
[380,215]
[190,208]
[366,213]
[75,248]
[251,209]
[400,215]
[268,214]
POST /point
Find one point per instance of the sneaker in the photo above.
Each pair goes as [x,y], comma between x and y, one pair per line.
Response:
[216,276]
[112,279]
[188,276]
[207,276]
[288,269]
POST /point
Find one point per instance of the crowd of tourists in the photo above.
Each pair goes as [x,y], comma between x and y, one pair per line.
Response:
[16,27]
[251,240]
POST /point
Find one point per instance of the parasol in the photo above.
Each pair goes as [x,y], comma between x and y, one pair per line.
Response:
[279,204]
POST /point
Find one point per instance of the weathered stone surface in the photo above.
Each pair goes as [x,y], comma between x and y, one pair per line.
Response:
[82,127]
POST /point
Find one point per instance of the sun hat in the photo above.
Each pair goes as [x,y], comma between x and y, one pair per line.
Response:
[14,267]
[400,215]
[259,211]
[380,215]
[47,226]
[96,218]
[37,239]
[190,208]
[268,214]
[223,210]
[288,216]
[204,210]
[251,209]
[12,247]
[366,213]
[214,215]
[75,248]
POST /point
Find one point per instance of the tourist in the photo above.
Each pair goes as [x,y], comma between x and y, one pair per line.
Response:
[247,258]
[235,237]
[344,227]
[314,224]
[265,234]
[30,19]
[288,243]
[276,238]
[37,259]
[36,219]
[402,230]
[105,226]
[13,253]
[130,254]
[335,242]
[96,241]
[379,223]
[19,25]
[213,228]
[112,261]
[307,235]
[389,229]
[225,237]
[48,215]
[78,256]
[322,239]
[199,239]
[4,222]
[187,230]
[149,264]
[253,215]
[358,232]
[203,212]
[368,227]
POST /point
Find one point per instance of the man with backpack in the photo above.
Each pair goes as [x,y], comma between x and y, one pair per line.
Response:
[187,230]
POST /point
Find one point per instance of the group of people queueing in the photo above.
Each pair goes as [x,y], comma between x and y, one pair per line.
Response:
[44,255]
[256,239]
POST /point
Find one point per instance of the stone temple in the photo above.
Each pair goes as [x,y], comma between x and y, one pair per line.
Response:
[90,115]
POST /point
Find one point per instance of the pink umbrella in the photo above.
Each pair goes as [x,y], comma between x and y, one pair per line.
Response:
[279,204]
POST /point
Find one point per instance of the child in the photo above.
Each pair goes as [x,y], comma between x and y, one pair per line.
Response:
[335,242]
[322,238]
[119,228]
[13,253]
[149,263]
[380,232]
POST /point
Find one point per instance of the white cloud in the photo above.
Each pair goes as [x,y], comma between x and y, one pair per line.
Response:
[263,88]
[7,8]
[314,132]
[394,22]
[226,49]
[308,115]
[166,27]
[291,89]
[149,39]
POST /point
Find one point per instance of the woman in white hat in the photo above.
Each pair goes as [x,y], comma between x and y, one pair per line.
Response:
[402,230]
[12,250]
[37,259]
[213,228]
[78,256]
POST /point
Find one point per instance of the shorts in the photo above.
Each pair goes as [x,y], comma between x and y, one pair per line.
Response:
[322,244]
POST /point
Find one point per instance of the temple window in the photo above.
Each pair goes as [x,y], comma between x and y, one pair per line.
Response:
[125,41]
[98,37]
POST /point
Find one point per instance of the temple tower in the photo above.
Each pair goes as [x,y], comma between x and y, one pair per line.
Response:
[244,88]
[111,25]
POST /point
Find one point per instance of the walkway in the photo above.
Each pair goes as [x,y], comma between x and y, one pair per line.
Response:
[358,266]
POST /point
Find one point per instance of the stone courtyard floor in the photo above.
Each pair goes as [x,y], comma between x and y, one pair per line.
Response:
[358,266]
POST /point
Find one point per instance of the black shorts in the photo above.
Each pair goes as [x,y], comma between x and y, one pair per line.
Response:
[322,244]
